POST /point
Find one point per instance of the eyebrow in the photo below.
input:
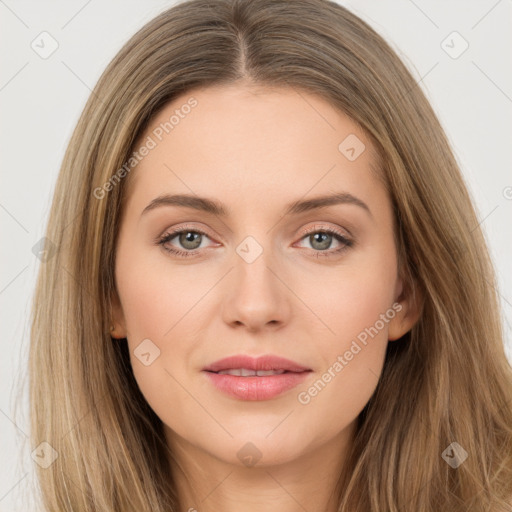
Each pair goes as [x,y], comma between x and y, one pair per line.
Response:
[214,207]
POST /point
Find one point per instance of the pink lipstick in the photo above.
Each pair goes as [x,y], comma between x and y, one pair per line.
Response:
[261,378]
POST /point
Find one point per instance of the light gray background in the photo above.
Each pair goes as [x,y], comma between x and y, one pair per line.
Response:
[41,99]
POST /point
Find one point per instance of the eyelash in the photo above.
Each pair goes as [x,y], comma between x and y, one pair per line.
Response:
[167,237]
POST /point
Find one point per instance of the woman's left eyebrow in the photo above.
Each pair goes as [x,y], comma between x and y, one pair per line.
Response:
[216,208]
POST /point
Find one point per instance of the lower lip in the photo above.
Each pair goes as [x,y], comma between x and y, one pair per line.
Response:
[256,388]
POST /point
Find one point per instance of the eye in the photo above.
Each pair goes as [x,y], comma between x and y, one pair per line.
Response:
[190,239]
[321,240]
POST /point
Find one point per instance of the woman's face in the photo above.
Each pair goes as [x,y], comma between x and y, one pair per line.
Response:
[272,270]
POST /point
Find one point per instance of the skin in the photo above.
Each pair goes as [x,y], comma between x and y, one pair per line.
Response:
[256,151]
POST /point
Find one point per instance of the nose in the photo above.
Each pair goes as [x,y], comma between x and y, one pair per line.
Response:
[256,296]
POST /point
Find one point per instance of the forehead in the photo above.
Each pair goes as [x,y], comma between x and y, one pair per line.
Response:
[254,143]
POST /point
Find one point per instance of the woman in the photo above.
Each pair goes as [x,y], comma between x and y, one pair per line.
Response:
[270,288]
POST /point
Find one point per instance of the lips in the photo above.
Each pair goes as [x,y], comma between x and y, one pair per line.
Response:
[261,378]
[249,366]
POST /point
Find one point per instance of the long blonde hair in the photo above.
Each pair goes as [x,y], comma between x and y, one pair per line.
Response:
[448,380]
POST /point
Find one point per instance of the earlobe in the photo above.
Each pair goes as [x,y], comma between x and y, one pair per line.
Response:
[117,323]
[408,307]
[396,327]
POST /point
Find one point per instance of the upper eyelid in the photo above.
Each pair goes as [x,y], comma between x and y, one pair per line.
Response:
[337,230]
[181,229]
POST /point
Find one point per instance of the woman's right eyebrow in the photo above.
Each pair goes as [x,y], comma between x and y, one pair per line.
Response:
[189,201]
[214,207]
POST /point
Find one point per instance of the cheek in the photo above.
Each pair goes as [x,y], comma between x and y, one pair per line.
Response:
[154,306]
[160,304]
[154,296]
[350,298]
[354,309]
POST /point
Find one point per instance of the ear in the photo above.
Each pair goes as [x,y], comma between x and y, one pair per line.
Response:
[117,318]
[408,307]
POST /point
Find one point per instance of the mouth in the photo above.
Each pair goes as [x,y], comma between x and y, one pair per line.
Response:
[248,378]
[246,372]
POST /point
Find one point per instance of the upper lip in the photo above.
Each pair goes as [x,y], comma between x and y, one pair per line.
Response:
[266,362]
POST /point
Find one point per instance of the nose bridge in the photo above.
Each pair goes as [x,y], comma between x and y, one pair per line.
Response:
[253,272]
